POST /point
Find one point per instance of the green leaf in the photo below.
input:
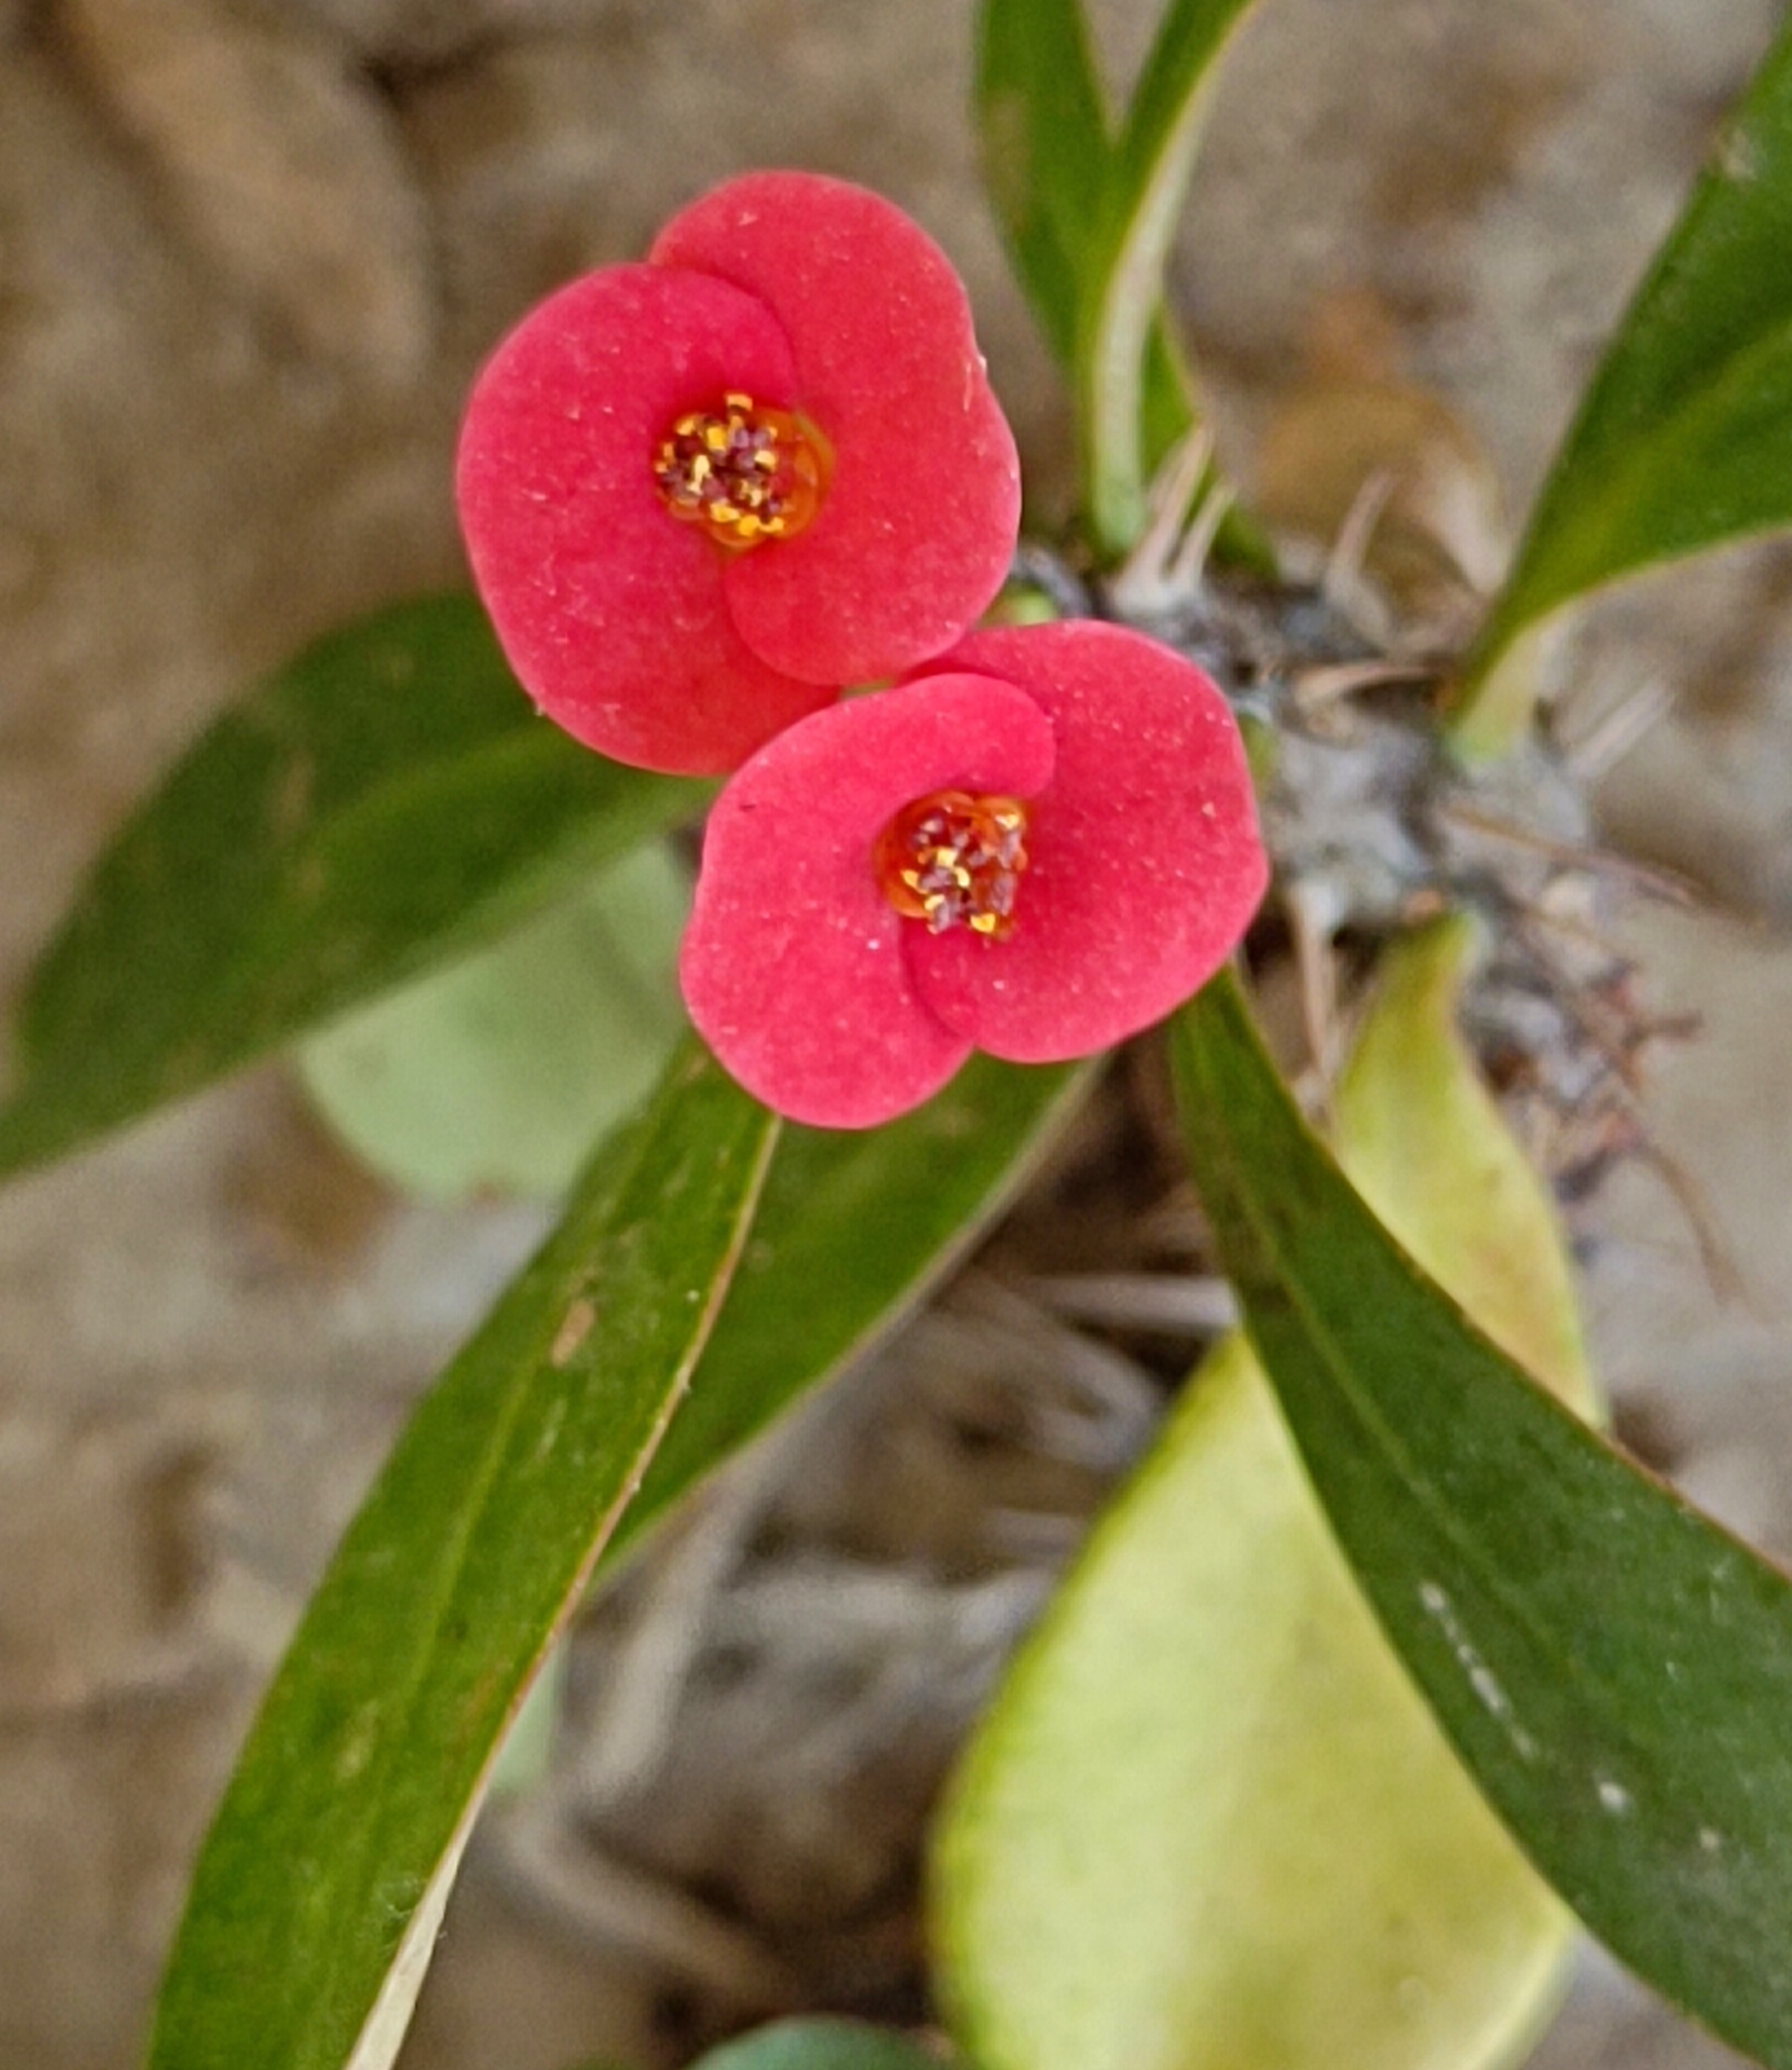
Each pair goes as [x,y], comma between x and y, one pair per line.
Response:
[853,1230]
[1124,284]
[1612,1668]
[1044,137]
[1684,438]
[1050,165]
[313,1904]
[1424,1143]
[820,2044]
[1167,407]
[1208,1824]
[500,1072]
[377,807]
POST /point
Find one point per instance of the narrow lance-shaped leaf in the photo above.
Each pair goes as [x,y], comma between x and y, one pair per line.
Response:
[376,808]
[315,1898]
[1208,1824]
[1044,135]
[1049,164]
[853,1230]
[1146,186]
[1684,438]
[1614,1670]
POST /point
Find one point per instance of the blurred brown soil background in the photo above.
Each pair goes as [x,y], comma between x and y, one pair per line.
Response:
[249,257]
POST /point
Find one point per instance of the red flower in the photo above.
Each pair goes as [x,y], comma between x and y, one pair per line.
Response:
[702,493]
[1036,847]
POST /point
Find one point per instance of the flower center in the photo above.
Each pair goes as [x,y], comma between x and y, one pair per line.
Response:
[744,473]
[955,860]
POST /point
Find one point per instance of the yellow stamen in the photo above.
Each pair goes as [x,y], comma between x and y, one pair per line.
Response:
[747,474]
[954,859]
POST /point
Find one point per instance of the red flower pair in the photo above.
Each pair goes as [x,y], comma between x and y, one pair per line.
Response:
[702,494]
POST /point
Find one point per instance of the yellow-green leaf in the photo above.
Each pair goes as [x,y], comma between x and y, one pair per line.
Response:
[499,1073]
[1425,1145]
[1209,1824]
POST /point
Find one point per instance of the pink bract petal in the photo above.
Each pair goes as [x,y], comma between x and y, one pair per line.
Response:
[611,611]
[917,525]
[793,966]
[1146,863]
